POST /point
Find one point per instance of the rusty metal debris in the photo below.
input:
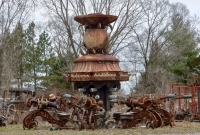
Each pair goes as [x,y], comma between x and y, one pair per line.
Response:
[42,105]
[12,104]
[88,113]
[144,110]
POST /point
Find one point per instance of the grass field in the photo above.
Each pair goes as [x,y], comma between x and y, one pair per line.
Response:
[44,129]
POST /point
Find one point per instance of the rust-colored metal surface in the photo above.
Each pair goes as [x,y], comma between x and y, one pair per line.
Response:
[84,113]
[63,120]
[95,19]
[88,113]
[41,104]
[145,111]
[97,67]
[167,118]
[13,104]
[96,58]
[30,122]
[96,64]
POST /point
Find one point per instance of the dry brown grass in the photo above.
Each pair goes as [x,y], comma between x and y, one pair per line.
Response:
[44,129]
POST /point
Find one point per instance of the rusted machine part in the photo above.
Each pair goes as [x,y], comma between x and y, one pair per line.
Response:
[41,104]
[91,104]
[27,102]
[158,99]
[110,124]
[166,116]
[116,116]
[89,120]
[29,121]
[85,120]
[78,115]
[84,111]
[82,120]
[92,121]
[69,123]
[61,102]
[82,116]
[143,102]
[179,116]
[143,115]
[126,122]
[134,110]
[158,117]
[183,115]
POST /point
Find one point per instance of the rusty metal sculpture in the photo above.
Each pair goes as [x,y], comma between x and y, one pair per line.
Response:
[137,115]
[29,121]
[13,104]
[146,111]
[90,113]
[96,68]
[84,115]
[101,66]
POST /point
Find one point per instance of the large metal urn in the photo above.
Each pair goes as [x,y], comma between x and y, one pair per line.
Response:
[97,73]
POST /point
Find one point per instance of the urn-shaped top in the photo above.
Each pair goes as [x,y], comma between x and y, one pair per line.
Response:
[96,38]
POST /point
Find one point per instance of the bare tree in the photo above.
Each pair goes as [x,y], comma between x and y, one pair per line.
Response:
[148,36]
[154,43]
[141,25]
[11,12]
[68,39]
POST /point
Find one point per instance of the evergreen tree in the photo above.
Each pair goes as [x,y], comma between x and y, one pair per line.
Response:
[18,54]
[13,55]
[182,49]
[50,66]
[31,55]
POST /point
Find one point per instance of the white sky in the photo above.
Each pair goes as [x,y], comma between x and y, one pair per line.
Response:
[192,5]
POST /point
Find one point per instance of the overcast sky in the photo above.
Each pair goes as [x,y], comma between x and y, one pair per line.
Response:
[192,5]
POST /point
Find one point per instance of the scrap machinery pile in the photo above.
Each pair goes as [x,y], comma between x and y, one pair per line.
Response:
[144,111]
[88,113]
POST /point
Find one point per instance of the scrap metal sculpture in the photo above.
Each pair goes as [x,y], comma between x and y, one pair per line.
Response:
[144,110]
[42,105]
[90,111]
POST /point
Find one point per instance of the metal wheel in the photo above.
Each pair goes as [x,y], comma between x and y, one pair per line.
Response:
[149,124]
[33,124]
[110,124]
[150,121]
[92,121]
[12,115]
